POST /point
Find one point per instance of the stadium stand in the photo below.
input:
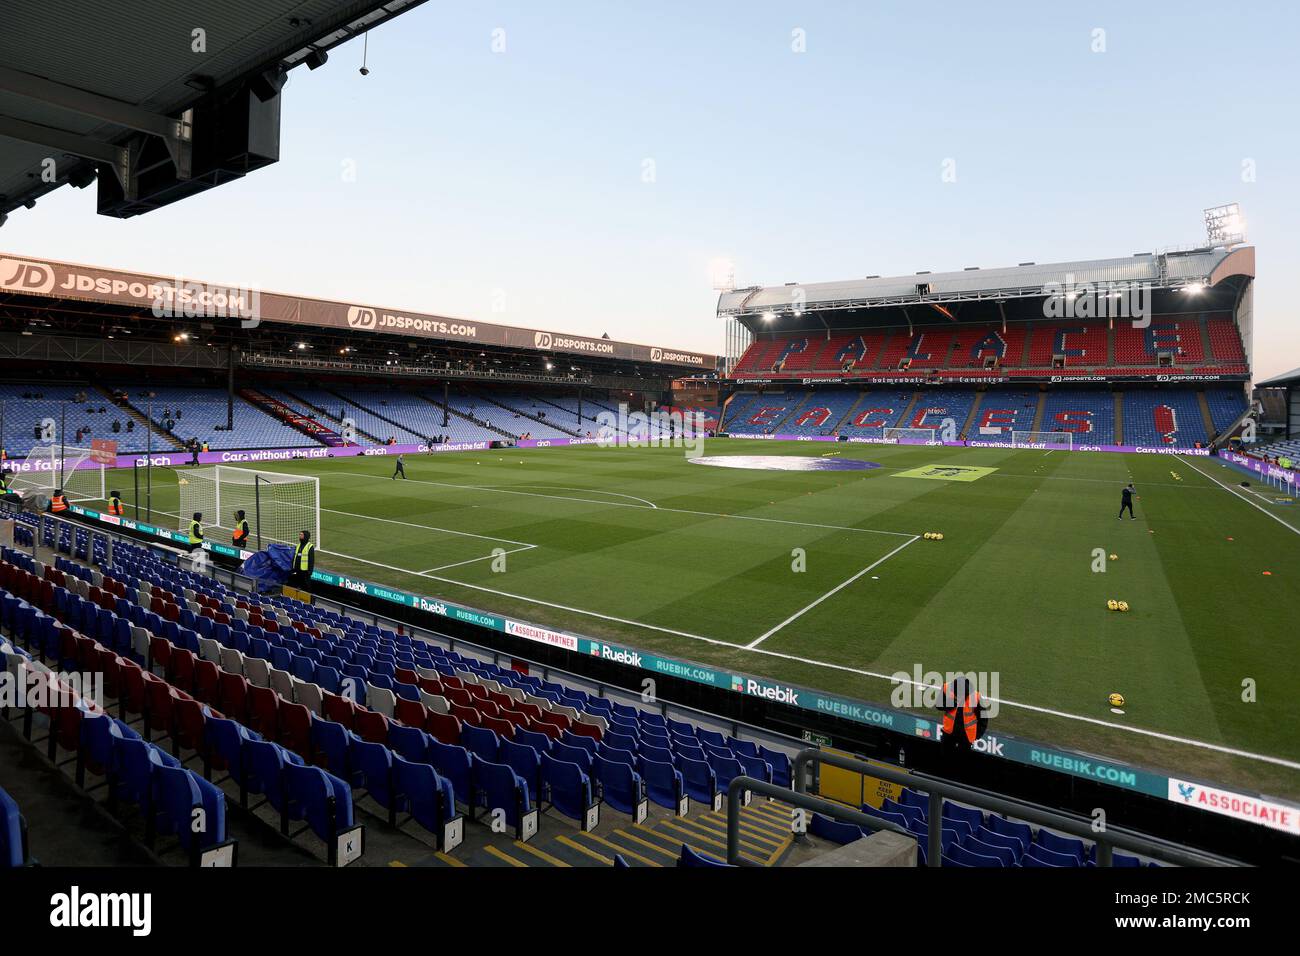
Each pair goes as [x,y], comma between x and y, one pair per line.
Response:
[1089,416]
[27,405]
[822,413]
[204,418]
[878,409]
[1287,448]
[1003,412]
[1165,417]
[1019,348]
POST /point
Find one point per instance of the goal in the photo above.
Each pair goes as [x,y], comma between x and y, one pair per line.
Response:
[1061,440]
[48,467]
[913,436]
[277,506]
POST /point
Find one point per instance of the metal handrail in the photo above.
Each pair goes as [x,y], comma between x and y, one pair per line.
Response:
[797,798]
[937,789]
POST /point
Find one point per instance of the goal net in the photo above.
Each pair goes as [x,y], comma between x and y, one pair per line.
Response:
[277,506]
[1064,440]
[49,467]
[913,436]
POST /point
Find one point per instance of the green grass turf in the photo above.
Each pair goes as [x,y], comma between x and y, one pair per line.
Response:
[1011,588]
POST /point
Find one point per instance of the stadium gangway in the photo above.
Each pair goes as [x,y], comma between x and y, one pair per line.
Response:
[937,790]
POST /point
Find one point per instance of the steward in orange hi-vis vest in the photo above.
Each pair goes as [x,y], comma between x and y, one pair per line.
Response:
[963,717]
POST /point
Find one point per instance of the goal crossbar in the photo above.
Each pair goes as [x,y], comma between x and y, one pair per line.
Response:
[276,505]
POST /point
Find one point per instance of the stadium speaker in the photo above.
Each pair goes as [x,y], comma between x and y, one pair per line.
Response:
[316,59]
[267,86]
[81,176]
[235,133]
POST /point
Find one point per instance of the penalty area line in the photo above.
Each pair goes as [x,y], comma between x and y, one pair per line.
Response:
[833,591]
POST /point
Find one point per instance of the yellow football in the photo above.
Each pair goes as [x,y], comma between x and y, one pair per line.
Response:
[938,536]
[1123,605]
[1116,700]
[1112,604]
[1114,557]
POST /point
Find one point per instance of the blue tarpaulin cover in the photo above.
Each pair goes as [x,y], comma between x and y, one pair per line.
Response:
[271,567]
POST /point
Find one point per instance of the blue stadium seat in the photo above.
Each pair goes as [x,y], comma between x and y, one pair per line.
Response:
[13,833]
[1066,846]
[621,787]
[664,784]
[500,788]
[701,782]
[1036,855]
[568,787]
[836,831]
[690,858]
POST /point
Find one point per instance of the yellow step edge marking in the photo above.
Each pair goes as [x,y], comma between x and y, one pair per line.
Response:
[776,854]
[450,860]
[778,830]
[721,845]
[396,863]
[646,843]
[582,849]
[777,811]
[502,855]
[676,843]
[541,854]
[770,811]
[706,831]
[759,830]
[721,826]
[618,849]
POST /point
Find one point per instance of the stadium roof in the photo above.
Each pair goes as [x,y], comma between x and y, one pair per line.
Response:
[1170,270]
[98,86]
[50,282]
[1281,381]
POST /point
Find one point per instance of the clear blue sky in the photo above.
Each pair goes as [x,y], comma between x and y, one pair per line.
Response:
[517,177]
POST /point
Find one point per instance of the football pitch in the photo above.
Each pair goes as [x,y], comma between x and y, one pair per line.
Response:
[825,578]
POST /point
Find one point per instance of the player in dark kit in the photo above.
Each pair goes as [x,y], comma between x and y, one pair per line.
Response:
[401,469]
[1126,501]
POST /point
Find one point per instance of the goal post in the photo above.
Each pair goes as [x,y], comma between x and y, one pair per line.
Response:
[912,436]
[1061,440]
[276,505]
[50,467]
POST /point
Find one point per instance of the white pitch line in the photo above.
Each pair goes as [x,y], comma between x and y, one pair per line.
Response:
[1241,496]
[594,491]
[835,590]
[486,557]
[429,527]
[619,504]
